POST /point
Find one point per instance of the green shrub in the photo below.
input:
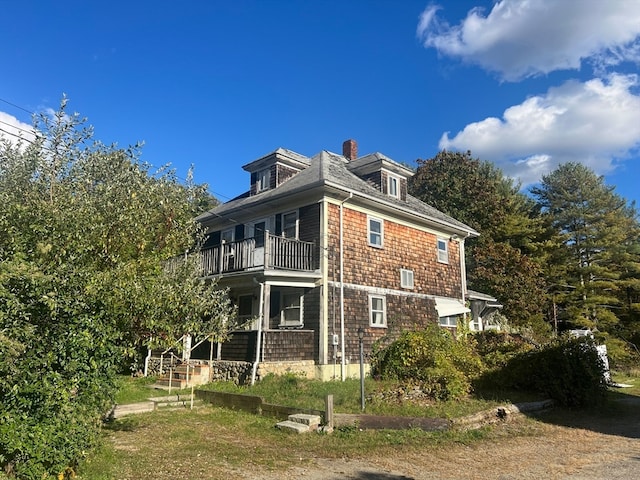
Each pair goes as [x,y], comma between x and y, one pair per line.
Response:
[568,370]
[57,374]
[496,349]
[430,359]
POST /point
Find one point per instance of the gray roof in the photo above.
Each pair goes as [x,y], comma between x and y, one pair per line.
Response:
[330,169]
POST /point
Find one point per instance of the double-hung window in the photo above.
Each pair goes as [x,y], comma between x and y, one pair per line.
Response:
[291,315]
[375,232]
[377,311]
[263,180]
[443,251]
[245,311]
[290,225]
[393,186]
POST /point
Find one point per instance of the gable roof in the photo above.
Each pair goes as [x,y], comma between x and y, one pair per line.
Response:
[331,170]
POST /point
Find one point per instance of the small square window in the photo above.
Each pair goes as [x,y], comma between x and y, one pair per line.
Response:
[376,232]
[443,251]
[406,278]
[377,311]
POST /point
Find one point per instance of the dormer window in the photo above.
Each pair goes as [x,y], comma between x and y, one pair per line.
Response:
[263,180]
[393,186]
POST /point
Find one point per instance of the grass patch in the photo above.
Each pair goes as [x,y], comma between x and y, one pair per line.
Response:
[212,443]
[139,389]
[295,391]
[218,443]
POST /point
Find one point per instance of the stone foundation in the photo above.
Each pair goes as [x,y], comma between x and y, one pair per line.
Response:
[302,368]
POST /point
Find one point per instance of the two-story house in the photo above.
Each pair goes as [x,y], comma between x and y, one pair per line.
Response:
[321,247]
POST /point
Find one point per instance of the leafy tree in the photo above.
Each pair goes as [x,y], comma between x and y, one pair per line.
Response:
[506,259]
[515,279]
[598,256]
[477,193]
[86,232]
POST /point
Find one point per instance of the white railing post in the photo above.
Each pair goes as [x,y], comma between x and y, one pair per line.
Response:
[267,249]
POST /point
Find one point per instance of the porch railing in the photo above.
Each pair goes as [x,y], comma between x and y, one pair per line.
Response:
[268,251]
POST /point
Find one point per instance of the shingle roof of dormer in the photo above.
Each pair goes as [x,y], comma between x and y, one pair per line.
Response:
[283,155]
[332,170]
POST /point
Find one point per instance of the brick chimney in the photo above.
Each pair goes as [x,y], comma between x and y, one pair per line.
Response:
[350,149]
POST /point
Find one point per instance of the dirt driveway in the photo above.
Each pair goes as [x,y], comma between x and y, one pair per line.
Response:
[563,444]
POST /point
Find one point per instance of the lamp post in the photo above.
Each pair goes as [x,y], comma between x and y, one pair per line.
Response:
[361,340]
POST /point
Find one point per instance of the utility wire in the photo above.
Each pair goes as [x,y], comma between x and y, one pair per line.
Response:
[31,142]
[17,106]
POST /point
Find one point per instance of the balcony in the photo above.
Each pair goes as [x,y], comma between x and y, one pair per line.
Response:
[267,252]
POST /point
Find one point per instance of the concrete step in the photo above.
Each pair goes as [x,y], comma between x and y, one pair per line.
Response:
[175,401]
[132,409]
[312,421]
[293,426]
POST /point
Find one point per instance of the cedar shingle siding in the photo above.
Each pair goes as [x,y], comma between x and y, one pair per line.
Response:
[315,188]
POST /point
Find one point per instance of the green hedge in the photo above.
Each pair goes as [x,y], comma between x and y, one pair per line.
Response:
[568,370]
[432,360]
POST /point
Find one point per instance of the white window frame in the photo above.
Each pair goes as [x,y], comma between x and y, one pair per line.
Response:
[299,294]
[263,180]
[449,322]
[378,317]
[379,234]
[295,226]
[406,278]
[394,181]
[443,253]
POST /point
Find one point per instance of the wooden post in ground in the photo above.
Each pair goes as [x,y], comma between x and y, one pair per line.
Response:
[328,412]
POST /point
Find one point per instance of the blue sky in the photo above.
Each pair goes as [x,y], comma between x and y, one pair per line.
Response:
[524,84]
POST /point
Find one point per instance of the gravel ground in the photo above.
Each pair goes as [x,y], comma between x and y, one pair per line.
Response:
[574,447]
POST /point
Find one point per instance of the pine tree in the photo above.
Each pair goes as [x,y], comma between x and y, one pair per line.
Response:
[597,260]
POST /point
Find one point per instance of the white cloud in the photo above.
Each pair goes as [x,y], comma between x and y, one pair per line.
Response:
[593,123]
[521,38]
[12,129]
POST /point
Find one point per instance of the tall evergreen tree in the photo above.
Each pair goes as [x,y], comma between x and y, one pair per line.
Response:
[597,260]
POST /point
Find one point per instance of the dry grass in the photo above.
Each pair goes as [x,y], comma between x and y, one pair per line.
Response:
[214,443]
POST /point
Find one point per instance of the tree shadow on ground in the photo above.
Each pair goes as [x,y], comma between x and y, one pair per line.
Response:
[619,415]
[377,476]
[126,424]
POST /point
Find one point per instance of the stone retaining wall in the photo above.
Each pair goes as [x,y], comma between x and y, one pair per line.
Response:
[226,370]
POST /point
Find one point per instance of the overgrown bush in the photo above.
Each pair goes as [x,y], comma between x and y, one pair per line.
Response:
[56,373]
[430,359]
[568,370]
[496,349]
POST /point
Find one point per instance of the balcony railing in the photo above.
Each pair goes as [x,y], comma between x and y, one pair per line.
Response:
[264,252]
